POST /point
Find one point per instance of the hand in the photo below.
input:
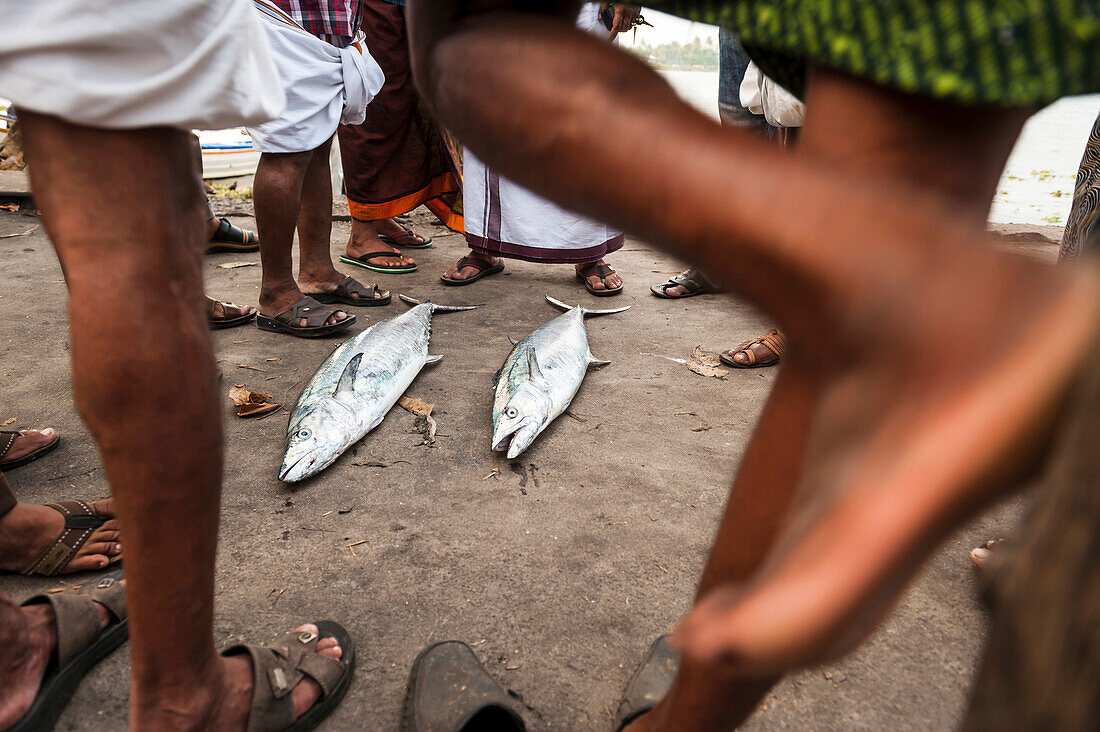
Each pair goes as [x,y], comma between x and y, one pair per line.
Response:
[624,17]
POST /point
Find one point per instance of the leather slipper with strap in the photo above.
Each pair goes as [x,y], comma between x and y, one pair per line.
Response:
[228,321]
[81,644]
[364,260]
[7,440]
[410,240]
[773,339]
[649,684]
[484,269]
[230,238]
[602,271]
[81,521]
[352,292]
[315,315]
[278,666]
[692,281]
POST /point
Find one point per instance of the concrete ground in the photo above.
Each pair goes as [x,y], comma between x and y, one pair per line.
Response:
[559,567]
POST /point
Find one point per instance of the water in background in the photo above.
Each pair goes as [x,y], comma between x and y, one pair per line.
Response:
[1037,185]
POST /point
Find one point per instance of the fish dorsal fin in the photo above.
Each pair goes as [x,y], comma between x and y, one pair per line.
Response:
[433,359]
[512,340]
[596,363]
[533,365]
[347,379]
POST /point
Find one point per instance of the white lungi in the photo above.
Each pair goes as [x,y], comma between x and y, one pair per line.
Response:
[127,64]
[325,85]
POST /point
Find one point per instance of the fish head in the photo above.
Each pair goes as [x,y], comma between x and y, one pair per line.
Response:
[521,420]
[314,441]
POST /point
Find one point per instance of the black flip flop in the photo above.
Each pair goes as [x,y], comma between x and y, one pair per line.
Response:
[601,271]
[363,260]
[484,269]
[393,242]
[8,438]
[63,676]
[230,238]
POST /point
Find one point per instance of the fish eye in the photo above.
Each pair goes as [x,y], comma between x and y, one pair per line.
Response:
[304,434]
[511,412]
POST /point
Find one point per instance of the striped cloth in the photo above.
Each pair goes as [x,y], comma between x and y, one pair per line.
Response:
[1081,229]
[339,18]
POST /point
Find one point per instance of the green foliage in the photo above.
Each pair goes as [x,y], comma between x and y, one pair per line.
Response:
[696,55]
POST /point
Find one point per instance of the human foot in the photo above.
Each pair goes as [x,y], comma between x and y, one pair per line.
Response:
[393,233]
[364,240]
[599,278]
[226,314]
[472,267]
[907,444]
[22,446]
[28,531]
[763,351]
[984,556]
[229,703]
[30,647]
[277,302]
[686,284]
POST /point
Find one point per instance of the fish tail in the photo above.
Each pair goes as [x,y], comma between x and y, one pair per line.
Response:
[585,311]
[442,308]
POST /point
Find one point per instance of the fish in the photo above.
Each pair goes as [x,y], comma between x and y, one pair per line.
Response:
[356,386]
[540,377]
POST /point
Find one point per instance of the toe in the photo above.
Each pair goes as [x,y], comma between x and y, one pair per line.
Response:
[85,562]
[741,358]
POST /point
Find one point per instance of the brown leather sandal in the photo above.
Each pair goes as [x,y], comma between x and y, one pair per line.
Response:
[773,339]
[81,521]
[7,440]
[278,666]
[81,644]
[314,313]
[353,292]
[226,320]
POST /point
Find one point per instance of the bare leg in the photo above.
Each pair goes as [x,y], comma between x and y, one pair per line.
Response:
[876,263]
[364,239]
[279,194]
[316,273]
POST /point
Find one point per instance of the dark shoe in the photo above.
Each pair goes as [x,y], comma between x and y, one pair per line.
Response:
[649,684]
[230,238]
[450,691]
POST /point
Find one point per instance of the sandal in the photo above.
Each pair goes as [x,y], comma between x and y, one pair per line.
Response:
[417,241]
[81,644]
[81,521]
[230,238]
[774,340]
[649,684]
[691,280]
[227,320]
[484,269]
[8,438]
[351,292]
[315,315]
[278,666]
[364,260]
[601,271]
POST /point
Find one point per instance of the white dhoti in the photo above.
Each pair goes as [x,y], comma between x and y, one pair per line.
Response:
[127,64]
[325,85]
[504,219]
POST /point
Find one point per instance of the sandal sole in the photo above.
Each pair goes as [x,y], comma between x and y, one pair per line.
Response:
[373,268]
[599,293]
[659,291]
[733,364]
[359,303]
[226,247]
[274,326]
[232,323]
[483,273]
[31,457]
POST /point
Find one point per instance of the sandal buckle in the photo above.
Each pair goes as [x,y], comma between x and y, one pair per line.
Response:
[306,637]
[105,583]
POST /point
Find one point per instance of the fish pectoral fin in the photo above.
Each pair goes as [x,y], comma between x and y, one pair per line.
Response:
[533,367]
[433,359]
[347,379]
[595,363]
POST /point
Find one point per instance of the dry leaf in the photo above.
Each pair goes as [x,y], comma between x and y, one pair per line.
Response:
[706,364]
[22,233]
[8,421]
[13,207]
[256,410]
[269,360]
[251,403]
[416,406]
[246,366]
[236,265]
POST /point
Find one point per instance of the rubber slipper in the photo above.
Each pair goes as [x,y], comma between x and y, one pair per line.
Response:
[315,315]
[281,664]
[81,644]
[8,438]
[346,294]
[484,269]
[601,271]
[449,690]
[409,233]
[230,238]
[364,260]
[693,282]
[81,521]
[649,684]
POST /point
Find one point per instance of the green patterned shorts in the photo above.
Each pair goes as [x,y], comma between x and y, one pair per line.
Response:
[987,52]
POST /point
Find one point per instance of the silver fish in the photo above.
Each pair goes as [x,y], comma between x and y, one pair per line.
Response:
[355,387]
[540,377]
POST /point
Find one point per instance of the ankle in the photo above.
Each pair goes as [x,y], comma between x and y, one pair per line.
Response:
[180,704]
[21,528]
[280,295]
